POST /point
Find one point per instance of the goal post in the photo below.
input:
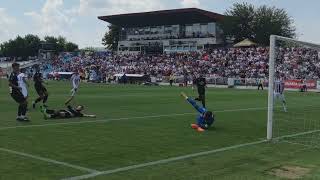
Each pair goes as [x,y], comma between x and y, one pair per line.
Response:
[274,40]
[272,60]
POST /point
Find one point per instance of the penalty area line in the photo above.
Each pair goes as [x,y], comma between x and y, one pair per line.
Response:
[52,161]
[163,161]
[125,118]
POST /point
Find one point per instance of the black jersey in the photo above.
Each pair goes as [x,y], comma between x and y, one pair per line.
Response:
[71,112]
[13,79]
[201,83]
[37,78]
[194,80]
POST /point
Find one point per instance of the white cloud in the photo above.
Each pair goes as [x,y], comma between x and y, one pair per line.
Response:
[190,3]
[8,25]
[99,7]
[53,19]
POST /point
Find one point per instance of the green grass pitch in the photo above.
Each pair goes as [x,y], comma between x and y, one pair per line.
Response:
[137,124]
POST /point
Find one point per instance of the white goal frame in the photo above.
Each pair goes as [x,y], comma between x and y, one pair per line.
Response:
[272,59]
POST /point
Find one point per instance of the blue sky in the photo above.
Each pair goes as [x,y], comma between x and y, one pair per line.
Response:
[77,19]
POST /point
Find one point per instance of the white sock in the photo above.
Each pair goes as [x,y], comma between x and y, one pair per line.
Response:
[284,108]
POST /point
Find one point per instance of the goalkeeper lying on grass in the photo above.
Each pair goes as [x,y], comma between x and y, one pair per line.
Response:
[70,112]
[204,120]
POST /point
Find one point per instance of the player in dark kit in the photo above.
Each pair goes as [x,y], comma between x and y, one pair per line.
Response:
[70,112]
[41,90]
[16,93]
[201,86]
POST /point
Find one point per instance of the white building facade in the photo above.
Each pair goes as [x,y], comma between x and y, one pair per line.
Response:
[171,31]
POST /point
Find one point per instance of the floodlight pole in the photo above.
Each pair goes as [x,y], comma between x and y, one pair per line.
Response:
[272,58]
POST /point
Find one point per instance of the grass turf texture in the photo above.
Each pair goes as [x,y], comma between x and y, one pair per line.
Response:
[108,145]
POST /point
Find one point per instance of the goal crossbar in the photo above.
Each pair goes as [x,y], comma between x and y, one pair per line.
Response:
[307,44]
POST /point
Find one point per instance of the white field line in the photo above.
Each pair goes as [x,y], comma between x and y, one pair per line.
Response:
[93,171]
[297,134]
[300,144]
[118,119]
[163,161]
[49,160]
[178,158]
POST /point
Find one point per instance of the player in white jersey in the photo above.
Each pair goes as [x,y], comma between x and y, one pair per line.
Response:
[279,93]
[75,80]
[22,82]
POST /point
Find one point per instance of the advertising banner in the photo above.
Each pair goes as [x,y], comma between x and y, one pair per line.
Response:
[297,84]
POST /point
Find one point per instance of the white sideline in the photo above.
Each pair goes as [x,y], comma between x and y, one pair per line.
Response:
[163,161]
[49,160]
[118,119]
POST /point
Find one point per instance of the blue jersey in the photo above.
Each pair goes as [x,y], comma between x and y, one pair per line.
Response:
[201,121]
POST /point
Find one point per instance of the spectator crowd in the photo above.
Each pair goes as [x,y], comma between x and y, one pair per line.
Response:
[294,63]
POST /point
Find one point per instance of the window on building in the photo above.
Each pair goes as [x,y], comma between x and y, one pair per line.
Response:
[134,49]
[212,29]
[168,29]
[124,48]
[204,29]
[196,29]
[189,30]
[147,30]
[159,29]
[153,30]
[175,29]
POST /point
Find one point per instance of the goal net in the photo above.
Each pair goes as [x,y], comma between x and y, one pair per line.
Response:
[293,101]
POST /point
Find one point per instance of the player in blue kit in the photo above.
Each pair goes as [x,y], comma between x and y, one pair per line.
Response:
[204,120]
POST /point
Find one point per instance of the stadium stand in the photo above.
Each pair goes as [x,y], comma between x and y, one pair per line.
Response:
[295,63]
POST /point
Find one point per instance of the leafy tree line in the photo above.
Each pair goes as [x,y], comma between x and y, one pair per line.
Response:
[29,45]
[111,37]
[242,21]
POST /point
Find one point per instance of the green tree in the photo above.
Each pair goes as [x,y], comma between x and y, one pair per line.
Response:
[111,37]
[51,39]
[32,43]
[20,47]
[270,20]
[70,47]
[61,43]
[244,20]
[238,24]
[2,49]
[14,48]
[51,42]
